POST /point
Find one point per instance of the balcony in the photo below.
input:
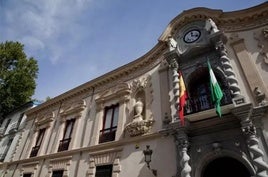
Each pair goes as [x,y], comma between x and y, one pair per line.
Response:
[106,136]
[34,151]
[64,144]
[204,102]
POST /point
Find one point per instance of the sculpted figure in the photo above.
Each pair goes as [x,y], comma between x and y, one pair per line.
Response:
[172,43]
[211,26]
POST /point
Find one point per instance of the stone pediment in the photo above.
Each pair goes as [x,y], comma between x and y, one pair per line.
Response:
[118,91]
[72,107]
[45,119]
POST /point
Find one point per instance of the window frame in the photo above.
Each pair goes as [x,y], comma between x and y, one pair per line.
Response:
[65,141]
[110,131]
[38,142]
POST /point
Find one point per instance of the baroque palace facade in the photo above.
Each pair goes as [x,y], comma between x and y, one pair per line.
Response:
[111,125]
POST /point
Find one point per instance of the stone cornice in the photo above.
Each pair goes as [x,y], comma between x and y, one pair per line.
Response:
[100,148]
[226,21]
[149,59]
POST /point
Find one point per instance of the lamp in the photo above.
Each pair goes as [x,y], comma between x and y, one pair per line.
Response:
[148,158]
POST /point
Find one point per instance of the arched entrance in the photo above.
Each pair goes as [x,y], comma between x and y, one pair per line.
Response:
[225,167]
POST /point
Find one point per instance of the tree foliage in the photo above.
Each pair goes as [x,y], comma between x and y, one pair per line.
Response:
[17,76]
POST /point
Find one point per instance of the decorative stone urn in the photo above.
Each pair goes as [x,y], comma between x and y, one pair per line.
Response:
[138,108]
[139,126]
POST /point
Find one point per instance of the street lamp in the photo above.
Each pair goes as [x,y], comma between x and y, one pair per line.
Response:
[148,158]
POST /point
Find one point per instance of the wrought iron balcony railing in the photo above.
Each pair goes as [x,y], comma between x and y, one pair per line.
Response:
[106,136]
[64,144]
[204,102]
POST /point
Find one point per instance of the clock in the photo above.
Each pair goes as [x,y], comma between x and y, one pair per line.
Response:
[192,36]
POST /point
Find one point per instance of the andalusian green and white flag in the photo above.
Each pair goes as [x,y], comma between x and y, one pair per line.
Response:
[216,92]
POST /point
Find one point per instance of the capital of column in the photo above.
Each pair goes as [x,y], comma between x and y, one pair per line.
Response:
[181,139]
[249,130]
[173,63]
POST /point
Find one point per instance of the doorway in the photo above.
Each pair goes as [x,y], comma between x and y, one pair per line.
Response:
[225,167]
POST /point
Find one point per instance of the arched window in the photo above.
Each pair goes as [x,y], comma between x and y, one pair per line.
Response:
[199,93]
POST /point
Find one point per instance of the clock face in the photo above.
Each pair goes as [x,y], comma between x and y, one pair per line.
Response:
[192,36]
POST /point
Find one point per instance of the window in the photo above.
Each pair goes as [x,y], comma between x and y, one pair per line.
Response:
[199,93]
[20,118]
[110,119]
[104,171]
[57,173]
[27,175]
[8,122]
[64,143]
[39,140]
[2,156]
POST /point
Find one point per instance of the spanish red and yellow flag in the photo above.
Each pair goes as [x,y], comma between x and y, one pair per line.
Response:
[183,97]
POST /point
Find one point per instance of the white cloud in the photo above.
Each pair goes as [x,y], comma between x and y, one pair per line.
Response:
[44,24]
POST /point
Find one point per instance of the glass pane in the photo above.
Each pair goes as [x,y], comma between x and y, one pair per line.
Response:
[108,118]
[58,173]
[104,171]
[40,137]
[116,114]
[27,175]
[69,127]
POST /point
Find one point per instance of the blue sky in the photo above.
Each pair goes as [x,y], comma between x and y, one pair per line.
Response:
[76,41]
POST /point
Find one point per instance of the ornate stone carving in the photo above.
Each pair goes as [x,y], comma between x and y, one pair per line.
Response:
[182,147]
[104,158]
[139,84]
[30,167]
[259,96]
[44,120]
[138,108]
[255,152]
[246,114]
[121,90]
[176,88]
[262,38]
[73,107]
[211,26]
[141,127]
[62,163]
[172,44]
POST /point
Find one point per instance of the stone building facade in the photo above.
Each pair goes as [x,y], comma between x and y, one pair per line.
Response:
[101,128]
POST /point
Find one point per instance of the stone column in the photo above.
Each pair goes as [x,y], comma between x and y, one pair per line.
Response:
[256,153]
[245,114]
[176,89]
[228,70]
[183,158]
